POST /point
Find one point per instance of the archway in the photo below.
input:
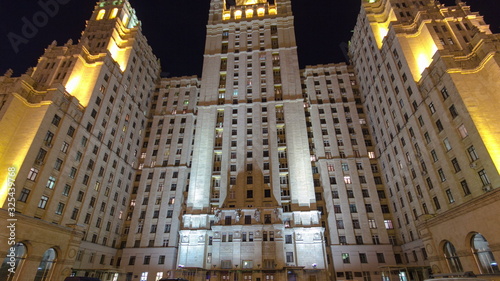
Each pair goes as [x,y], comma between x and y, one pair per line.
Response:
[452,258]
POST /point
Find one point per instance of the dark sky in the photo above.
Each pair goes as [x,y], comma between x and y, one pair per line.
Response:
[176,29]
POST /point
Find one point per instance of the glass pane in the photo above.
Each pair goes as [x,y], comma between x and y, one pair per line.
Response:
[12,262]
[484,256]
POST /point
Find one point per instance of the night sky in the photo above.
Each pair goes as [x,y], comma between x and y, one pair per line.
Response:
[176,29]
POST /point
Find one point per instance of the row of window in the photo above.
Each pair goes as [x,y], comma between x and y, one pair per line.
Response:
[371,224]
[346,258]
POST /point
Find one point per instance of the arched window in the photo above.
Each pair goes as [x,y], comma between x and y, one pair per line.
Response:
[44,269]
[249,13]
[114,13]
[261,12]
[12,261]
[484,257]
[100,15]
[452,258]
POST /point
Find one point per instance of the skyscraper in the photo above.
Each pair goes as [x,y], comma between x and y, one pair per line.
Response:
[427,76]
[258,170]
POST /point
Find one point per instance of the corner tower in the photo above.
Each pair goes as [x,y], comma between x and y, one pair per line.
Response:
[427,72]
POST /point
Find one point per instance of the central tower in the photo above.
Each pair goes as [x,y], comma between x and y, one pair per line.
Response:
[251,207]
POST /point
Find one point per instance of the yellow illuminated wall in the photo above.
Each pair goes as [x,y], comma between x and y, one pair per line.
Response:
[380,29]
[81,82]
[120,49]
[418,48]
[249,2]
[480,91]
[19,126]
[381,21]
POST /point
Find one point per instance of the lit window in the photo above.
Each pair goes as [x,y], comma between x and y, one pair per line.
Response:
[346,258]
[388,224]
[237,14]
[347,180]
[261,12]
[51,182]
[100,15]
[32,174]
[484,177]
[249,13]
[463,131]
[114,13]
[43,202]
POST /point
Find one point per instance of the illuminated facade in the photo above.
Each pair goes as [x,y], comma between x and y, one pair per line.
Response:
[259,170]
[251,210]
[74,129]
[427,72]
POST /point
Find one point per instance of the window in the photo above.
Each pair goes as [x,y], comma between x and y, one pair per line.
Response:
[380,258]
[432,108]
[449,195]
[444,93]
[51,182]
[56,120]
[436,203]
[472,153]
[33,173]
[352,208]
[388,224]
[372,224]
[64,147]
[439,125]
[41,156]
[340,224]
[463,131]
[447,144]
[347,180]
[337,209]
[453,111]
[71,131]
[289,256]
[359,240]
[60,208]
[47,263]
[484,177]
[43,202]
[58,164]
[346,258]
[455,164]
[441,175]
